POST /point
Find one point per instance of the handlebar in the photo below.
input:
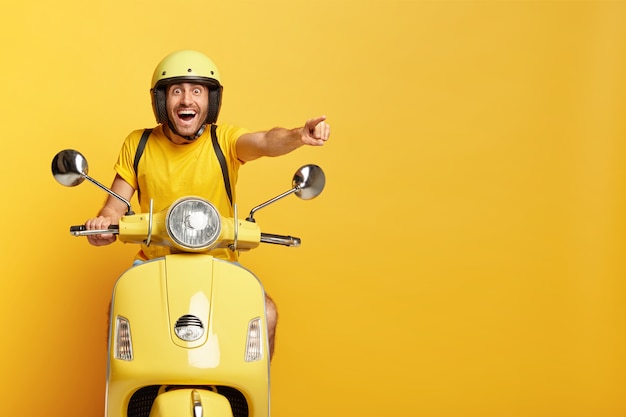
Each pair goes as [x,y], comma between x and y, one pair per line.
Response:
[280,239]
[81,230]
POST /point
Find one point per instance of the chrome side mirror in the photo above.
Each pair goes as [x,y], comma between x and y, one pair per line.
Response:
[308,182]
[69,168]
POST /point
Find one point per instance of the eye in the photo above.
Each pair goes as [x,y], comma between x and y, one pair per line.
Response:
[197,90]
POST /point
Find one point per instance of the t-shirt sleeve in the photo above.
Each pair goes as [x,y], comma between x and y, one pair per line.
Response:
[227,138]
[126,159]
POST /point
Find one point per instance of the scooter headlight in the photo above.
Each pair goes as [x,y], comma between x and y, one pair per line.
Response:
[193,223]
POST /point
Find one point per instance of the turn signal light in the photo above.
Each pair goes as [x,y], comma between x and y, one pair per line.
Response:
[254,344]
[123,342]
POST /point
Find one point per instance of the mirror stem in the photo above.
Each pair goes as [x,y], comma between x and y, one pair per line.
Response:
[113,193]
[273,200]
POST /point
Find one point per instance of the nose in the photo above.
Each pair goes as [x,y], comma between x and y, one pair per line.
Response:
[186,97]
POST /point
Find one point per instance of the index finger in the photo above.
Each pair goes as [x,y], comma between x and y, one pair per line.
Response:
[315,121]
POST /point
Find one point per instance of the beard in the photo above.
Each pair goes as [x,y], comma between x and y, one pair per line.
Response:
[187,121]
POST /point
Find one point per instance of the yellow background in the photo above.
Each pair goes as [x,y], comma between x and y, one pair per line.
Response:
[466,257]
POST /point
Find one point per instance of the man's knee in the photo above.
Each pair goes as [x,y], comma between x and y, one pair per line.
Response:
[271,312]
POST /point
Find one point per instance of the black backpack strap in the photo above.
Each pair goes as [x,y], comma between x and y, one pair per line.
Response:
[140,148]
[222,159]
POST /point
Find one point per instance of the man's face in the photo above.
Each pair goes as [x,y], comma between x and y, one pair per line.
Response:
[187,107]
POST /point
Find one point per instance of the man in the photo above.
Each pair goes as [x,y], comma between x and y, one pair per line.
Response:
[180,157]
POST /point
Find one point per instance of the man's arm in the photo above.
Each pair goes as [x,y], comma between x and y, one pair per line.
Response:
[110,213]
[280,141]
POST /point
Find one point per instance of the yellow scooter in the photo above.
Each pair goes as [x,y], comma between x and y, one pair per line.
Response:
[188,334]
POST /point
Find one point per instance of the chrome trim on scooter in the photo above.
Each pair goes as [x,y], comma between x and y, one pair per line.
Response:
[150,220]
[197,403]
[189,328]
[233,247]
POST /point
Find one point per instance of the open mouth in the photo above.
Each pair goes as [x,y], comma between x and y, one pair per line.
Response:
[186,115]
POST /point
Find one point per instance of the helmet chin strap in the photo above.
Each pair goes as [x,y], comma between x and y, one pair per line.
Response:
[189,138]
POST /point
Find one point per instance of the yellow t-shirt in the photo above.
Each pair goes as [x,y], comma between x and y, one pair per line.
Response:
[167,171]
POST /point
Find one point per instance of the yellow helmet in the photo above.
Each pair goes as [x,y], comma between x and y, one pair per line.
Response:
[186,66]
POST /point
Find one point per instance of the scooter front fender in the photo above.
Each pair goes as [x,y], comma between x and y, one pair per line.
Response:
[192,403]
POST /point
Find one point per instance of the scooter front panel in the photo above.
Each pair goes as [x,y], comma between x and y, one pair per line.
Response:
[153,296]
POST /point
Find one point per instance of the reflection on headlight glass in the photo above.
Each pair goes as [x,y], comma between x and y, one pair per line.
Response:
[194,223]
